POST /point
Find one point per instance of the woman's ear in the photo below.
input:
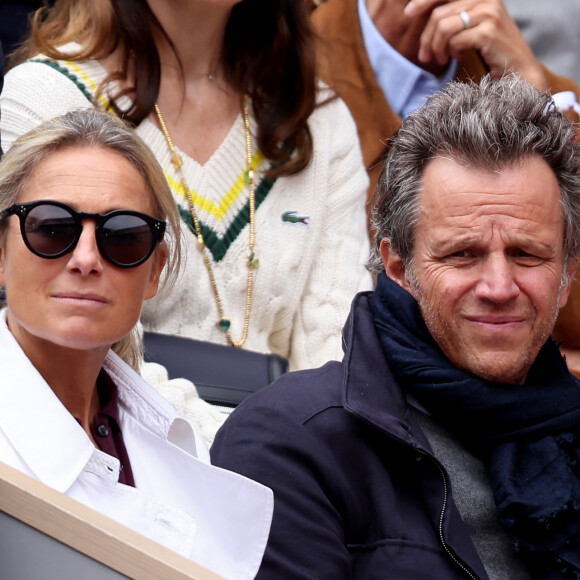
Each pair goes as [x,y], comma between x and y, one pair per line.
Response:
[2,282]
[158,261]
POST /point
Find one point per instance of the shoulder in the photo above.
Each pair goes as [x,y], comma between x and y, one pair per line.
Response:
[85,75]
[295,432]
[300,406]
[40,89]
[39,73]
[331,110]
[300,394]
[333,17]
[55,86]
[335,134]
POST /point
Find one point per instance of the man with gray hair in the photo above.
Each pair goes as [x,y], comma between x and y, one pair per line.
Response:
[446,443]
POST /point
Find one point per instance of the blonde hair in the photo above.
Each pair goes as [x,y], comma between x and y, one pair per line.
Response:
[94,128]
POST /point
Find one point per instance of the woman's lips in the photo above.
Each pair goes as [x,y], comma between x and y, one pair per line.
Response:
[80,298]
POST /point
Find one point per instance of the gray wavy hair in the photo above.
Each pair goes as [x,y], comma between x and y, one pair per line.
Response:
[89,128]
[490,125]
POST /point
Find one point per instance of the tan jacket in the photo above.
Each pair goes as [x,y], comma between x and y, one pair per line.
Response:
[344,65]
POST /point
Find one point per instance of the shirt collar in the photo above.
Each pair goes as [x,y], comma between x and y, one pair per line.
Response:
[404,84]
[47,437]
[50,440]
[151,409]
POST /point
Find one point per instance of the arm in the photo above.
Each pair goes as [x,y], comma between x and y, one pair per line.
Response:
[342,246]
[493,33]
[270,446]
[494,36]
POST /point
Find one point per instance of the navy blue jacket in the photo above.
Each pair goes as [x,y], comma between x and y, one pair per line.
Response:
[357,491]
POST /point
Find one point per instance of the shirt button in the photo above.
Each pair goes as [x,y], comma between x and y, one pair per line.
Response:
[103,430]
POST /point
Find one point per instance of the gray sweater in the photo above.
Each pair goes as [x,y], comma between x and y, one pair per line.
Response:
[473,497]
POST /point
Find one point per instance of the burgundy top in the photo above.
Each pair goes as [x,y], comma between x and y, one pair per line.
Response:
[106,430]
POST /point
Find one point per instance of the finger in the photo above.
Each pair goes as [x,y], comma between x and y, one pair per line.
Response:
[445,23]
[443,35]
[442,26]
[418,7]
[465,19]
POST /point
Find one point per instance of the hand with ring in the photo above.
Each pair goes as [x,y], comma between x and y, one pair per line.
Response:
[455,26]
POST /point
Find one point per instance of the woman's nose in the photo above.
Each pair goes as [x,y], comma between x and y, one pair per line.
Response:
[86,258]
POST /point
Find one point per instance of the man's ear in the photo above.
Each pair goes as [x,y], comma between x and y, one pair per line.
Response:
[571,266]
[394,265]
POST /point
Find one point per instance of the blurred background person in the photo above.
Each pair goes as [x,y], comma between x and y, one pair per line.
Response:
[384,57]
[83,210]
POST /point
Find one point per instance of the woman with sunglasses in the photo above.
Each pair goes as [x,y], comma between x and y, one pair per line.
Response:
[83,211]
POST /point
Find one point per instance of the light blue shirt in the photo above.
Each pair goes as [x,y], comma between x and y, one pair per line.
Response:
[405,85]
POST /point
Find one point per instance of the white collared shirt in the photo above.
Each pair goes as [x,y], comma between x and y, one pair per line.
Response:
[405,85]
[216,518]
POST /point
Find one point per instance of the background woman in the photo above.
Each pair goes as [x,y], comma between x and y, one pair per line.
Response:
[83,209]
[271,186]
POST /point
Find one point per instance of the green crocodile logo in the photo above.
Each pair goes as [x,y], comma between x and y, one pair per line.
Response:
[291,217]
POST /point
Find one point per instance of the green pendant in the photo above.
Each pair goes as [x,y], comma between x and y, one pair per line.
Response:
[252,262]
[224,323]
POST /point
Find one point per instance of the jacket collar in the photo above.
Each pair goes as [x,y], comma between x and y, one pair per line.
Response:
[370,389]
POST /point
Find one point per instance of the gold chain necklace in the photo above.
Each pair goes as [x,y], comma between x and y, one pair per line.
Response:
[252,263]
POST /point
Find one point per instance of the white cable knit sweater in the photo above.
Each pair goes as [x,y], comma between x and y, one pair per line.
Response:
[311,229]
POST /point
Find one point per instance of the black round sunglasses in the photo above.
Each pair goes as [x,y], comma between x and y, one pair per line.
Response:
[51,229]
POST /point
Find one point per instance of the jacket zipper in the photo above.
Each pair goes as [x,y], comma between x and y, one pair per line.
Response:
[443,509]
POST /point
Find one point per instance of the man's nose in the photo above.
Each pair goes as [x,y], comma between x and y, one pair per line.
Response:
[496,279]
